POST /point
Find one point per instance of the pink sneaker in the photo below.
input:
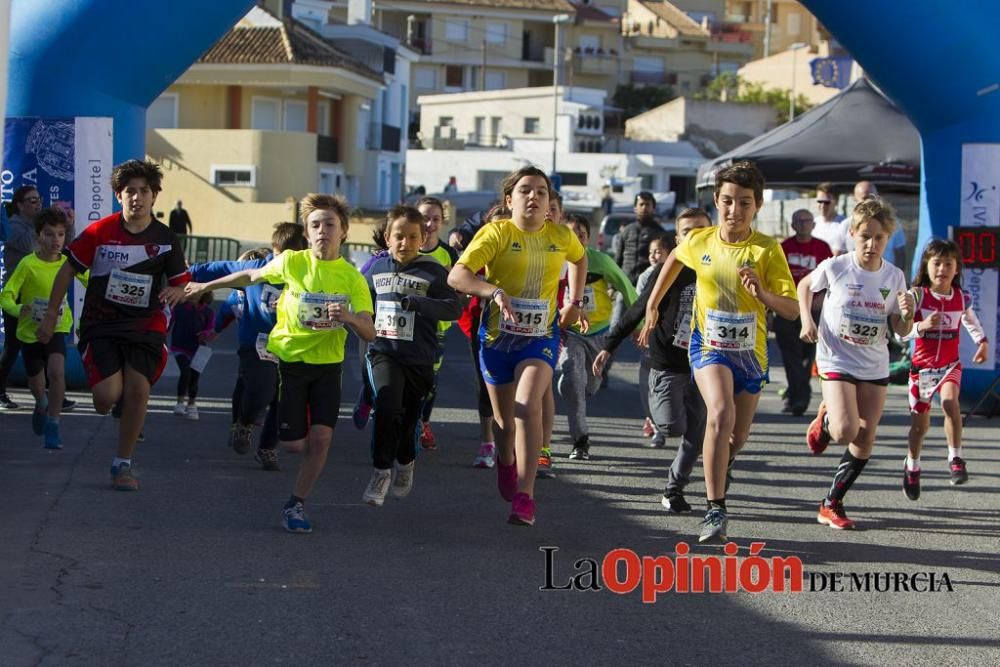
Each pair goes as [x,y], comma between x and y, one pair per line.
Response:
[648,429]
[522,510]
[507,479]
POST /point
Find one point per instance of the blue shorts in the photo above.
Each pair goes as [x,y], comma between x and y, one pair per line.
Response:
[748,376]
[499,366]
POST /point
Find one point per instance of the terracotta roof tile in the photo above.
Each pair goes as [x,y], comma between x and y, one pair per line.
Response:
[545,5]
[683,23]
[291,43]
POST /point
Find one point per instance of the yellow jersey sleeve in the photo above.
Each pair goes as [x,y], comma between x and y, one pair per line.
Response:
[483,248]
[274,271]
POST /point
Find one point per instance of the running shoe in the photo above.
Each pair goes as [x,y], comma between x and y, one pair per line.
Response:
[959,475]
[123,479]
[581,450]
[831,513]
[486,457]
[294,519]
[38,419]
[647,428]
[817,437]
[361,413]
[427,439]
[268,459]
[911,482]
[240,438]
[378,486]
[507,480]
[52,439]
[6,403]
[673,501]
[68,405]
[522,510]
[191,413]
[403,483]
[713,526]
[657,442]
[545,470]
[179,410]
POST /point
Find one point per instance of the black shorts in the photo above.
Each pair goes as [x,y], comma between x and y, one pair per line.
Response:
[36,355]
[307,394]
[103,357]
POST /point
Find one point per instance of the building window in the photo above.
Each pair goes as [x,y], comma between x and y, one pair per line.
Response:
[456,31]
[531,126]
[573,177]
[323,119]
[480,130]
[647,182]
[445,121]
[163,112]
[495,80]
[590,43]
[244,175]
[495,125]
[296,112]
[496,33]
[454,76]
[794,23]
[265,113]
[425,78]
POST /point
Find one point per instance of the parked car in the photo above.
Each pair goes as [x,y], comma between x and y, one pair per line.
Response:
[612,224]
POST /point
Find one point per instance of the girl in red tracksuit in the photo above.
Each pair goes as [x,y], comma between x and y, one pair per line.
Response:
[942,307]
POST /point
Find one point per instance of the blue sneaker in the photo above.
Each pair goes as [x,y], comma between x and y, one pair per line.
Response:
[52,439]
[38,420]
[294,519]
[361,413]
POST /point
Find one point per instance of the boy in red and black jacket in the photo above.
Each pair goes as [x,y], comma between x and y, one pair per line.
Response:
[123,327]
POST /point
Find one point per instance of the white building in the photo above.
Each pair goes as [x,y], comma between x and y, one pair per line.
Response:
[477,138]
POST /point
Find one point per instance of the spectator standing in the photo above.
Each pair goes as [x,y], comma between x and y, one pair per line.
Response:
[180,221]
[804,253]
[827,222]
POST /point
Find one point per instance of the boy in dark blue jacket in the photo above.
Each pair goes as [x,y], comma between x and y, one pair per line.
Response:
[258,372]
[411,295]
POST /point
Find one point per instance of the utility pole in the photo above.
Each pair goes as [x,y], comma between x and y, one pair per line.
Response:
[767,29]
[556,57]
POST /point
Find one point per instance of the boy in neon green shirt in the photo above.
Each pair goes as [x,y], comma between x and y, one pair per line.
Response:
[323,295]
[26,297]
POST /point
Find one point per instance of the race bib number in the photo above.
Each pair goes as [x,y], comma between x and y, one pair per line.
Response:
[391,321]
[39,308]
[262,352]
[730,331]
[129,289]
[269,295]
[862,328]
[682,334]
[928,381]
[531,318]
[313,313]
[589,302]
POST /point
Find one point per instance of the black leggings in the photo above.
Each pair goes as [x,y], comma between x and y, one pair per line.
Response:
[187,383]
[400,391]
[11,348]
[256,390]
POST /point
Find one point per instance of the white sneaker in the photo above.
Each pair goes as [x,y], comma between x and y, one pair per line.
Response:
[403,483]
[486,457]
[180,409]
[191,412]
[374,495]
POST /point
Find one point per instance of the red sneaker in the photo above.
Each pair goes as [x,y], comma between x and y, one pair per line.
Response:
[834,516]
[427,439]
[817,436]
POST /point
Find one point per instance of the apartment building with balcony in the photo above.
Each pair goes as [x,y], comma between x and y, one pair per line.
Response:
[789,23]
[478,137]
[683,44]
[270,112]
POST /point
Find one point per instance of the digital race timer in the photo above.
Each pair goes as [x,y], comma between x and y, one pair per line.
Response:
[978,246]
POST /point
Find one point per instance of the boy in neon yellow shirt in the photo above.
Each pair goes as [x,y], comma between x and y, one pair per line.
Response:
[26,297]
[323,294]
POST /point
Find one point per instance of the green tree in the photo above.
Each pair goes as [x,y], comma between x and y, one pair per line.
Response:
[634,100]
[729,87]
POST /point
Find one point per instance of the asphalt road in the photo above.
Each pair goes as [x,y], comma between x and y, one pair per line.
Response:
[196,570]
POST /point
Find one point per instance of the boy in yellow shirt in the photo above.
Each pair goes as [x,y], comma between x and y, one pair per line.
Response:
[26,297]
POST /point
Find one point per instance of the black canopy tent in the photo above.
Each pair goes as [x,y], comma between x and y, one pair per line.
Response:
[857,135]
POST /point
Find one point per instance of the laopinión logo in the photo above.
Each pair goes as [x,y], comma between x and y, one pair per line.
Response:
[623,571]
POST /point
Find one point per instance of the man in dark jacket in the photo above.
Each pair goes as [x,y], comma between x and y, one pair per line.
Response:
[180,221]
[631,246]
